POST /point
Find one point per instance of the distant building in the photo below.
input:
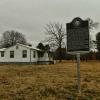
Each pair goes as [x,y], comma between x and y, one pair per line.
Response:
[20,53]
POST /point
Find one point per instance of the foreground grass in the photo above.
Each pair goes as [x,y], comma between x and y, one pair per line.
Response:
[49,82]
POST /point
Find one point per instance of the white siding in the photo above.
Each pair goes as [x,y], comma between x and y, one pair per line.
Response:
[44,58]
[34,59]
[17,55]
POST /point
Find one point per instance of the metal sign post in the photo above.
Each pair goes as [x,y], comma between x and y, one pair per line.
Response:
[78,42]
[78,73]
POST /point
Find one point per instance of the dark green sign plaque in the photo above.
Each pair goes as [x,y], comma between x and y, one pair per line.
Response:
[77,35]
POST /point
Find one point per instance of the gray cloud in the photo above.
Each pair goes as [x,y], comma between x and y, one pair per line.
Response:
[30,16]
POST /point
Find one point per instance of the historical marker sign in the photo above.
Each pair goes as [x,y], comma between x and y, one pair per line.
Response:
[77,35]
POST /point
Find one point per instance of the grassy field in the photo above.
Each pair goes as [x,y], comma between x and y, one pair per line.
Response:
[49,82]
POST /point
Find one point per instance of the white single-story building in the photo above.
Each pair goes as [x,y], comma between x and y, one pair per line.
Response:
[20,53]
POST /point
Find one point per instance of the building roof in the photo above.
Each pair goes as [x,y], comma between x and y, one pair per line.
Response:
[3,49]
[28,47]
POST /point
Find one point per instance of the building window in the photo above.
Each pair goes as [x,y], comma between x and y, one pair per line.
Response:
[2,53]
[11,54]
[17,47]
[34,54]
[24,54]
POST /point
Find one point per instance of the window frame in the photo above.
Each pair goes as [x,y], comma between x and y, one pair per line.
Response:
[24,54]
[12,54]
[2,53]
[17,47]
[34,54]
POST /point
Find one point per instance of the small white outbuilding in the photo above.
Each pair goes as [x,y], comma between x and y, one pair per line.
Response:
[20,53]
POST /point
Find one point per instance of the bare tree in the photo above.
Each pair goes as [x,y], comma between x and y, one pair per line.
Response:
[92,26]
[12,37]
[55,34]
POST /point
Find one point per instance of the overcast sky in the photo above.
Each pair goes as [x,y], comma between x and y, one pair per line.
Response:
[31,16]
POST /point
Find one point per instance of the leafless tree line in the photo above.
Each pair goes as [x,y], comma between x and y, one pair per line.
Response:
[12,37]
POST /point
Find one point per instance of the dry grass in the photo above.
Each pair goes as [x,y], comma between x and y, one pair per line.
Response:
[49,82]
